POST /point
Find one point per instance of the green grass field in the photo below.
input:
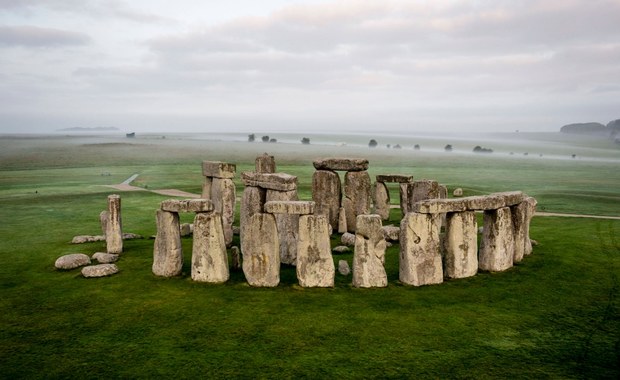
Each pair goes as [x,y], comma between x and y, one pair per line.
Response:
[555,315]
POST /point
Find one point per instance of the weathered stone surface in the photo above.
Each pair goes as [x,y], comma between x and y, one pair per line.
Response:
[343,268]
[187,205]
[114,226]
[348,239]
[531,210]
[103,220]
[235,254]
[494,201]
[382,200]
[207,184]
[290,207]
[327,194]
[218,169]
[105,258]
[369,255]
[224,198]
[342,221]
[356,199]
[343,164]
[458,192]
[511,198]
[261,251]
[167,250]
[315,265]
[252,202]
[209,257]
[460,245]
[403,190]
[391,233]
[438,206]
[130,236]
[420,257]
[288,226]
[443,191]
[186,229]
[521,217]
[71,261]
[265,164]
[394,178]
[341,249]
[419,190]
[497,247]
[101,270]
[81,239]
[270,181]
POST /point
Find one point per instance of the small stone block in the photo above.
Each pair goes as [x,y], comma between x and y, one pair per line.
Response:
[483,202]
[270,181]
[290,207]
[395,178]
[344,164]
[511,198]
[187,205]
[218,169]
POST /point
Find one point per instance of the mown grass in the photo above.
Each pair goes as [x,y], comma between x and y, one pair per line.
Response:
[555,315]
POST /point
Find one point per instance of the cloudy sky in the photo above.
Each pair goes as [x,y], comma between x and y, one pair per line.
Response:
[305,65]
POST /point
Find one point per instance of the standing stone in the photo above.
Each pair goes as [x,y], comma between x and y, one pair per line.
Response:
[529,214]
[421,190]
[235,254]
[265,164]
[356,197]
[114,227]
[498,246]
[403,189]
[167,251]
[103,220]
[420,258]
[288,226]
[261,251]
[252,202]
[443,192]
[460,244]
[521,216]
[315,265]
[343,268]
[369,255]
[327,193]
[342,221]
[382,200]
[206,187]
[209,258]
[223,196]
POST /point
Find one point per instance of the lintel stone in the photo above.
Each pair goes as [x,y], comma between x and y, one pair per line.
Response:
[270,181]
[187,205]
[343,164]
[290,207]
[218,169]
[394,178]
[439,206]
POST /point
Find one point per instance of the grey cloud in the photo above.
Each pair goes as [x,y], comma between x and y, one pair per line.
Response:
[34,36]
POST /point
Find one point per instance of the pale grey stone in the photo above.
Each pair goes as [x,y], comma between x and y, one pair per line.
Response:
[341,249]
[265,164]
[343,164]
[497,247]
[186,229]
[105,258]
[290,207]
[103,220]
[252,202]
[131,236]
[315,265]
[327,194]
[167,249]
[458,192]
[369,254]
[382,200]
[101,270]
[223,196]
[403,189]
[218,169]
[81,239]
[288,226]
[187,205]
[439,206]
[114,226]
[521,217]
[342,221]
[348,239]
[207,184]
[270,181]
[529,214]
[71,261]
[209,257]
[420,257]
[261,251]
[391,233]
[343,268]
[394,178]
[460,245]
[356,199]
[235,254]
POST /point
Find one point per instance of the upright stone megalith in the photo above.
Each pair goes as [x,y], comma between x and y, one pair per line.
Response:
[420,257]
[498,246]
[252,202]
[288,226]
[114,226]
[209,257]
[327,194]
[167,251]
[261,251]
[223,196]
[356,197]
[315,265]
[265,163]
[369,254]
[382,200]
[521,217]
[460,245]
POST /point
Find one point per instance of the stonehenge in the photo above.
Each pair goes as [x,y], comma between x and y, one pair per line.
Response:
[218,186]
[114,225]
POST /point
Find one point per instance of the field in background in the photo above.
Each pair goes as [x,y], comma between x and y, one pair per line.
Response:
[554,315]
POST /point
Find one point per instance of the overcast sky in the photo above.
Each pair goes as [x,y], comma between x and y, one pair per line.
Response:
[305,65]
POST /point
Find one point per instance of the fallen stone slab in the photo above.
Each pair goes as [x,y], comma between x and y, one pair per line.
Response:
[342,248]
[105,258]
[343,164]
[344,268]
[217,169]
[72,261]
[101,270]
[270,181]
[394,178]
[187,205]
[290,207]
[81,239]
[391,233]
[131,236]
[348,239]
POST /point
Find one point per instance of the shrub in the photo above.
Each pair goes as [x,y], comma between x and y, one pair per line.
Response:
[251,137]
[372,143]
[305,141]
[265,138]
[448,148]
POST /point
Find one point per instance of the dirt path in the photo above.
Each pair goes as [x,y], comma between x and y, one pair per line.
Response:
[539,213]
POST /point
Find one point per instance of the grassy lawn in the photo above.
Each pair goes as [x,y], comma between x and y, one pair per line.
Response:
[555,315]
